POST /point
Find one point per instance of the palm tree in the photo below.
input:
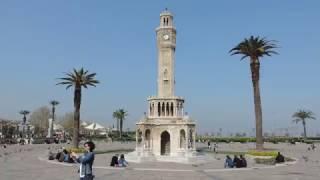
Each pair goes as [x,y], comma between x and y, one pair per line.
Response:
[302,116]
[120,115]
[53,103]
[24,113]
[78,78]
[254,48]
[24,120]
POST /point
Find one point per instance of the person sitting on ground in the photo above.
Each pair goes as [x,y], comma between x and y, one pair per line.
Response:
[50,154]
[66,156]
[279,158]
[122,162]
[114,161]
[59,152]
[228,163]
[243,161]
[236,162]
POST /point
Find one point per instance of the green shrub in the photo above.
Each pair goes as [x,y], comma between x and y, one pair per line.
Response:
[263,153]
[76,150]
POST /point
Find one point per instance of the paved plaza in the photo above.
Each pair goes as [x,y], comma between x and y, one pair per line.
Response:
[28,162]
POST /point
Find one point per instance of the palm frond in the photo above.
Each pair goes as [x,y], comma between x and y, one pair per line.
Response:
[54,102]
[254,47]
[78,77]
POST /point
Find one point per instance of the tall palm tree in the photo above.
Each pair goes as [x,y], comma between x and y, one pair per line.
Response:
[78,78]
[53,103]
[254,48]
[302,116]
[120,115]
[24,113]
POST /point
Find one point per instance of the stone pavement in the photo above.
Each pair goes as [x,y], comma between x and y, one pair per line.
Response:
[25,162]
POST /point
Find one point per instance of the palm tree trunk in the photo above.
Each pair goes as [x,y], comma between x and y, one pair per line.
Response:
[118,124]
[51,128]
[24,119]
[304,129]
[53,111]
[76,123]
[121,124]
[255,72]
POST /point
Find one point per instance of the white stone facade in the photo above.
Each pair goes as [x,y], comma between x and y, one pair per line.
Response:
[166,131]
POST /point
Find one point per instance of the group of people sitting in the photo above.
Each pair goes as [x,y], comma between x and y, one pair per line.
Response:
[236,162]
[241,162]
[312,147]
[62,156]
[118,162]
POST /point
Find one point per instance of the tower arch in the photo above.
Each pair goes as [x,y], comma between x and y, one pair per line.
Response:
[165,143]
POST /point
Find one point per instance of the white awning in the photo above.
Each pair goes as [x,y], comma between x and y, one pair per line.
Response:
[95,126]
[57,127]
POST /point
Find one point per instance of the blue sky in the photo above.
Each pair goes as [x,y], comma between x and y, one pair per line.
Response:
[116,39]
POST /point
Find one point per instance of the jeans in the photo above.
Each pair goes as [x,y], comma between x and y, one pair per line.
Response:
[87,177]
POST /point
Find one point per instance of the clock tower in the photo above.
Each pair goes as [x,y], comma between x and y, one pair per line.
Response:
[165,132]
[166,41]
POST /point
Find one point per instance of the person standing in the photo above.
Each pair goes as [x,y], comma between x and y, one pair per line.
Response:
[86,161]
[215,147]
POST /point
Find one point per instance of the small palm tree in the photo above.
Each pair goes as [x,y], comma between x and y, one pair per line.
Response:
[24,113]
[78,78]
[53,103]
[302,116]
[24,120]
[120,115]
[254,48]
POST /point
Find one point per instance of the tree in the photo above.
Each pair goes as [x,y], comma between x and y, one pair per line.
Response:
[24,113]
[78,79]
[254,48]
[67,122]
[302,116]
[120,115]
[53,103]
[39,119]
[24,120]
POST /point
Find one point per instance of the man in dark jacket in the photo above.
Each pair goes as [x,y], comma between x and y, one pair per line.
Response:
[236,162]
[279,158]
[243,162]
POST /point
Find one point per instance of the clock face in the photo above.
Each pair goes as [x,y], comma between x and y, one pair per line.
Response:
[166,37]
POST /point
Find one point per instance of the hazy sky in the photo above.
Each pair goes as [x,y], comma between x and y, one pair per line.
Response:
[39,40]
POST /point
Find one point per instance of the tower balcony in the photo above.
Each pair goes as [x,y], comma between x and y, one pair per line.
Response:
[165,107]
